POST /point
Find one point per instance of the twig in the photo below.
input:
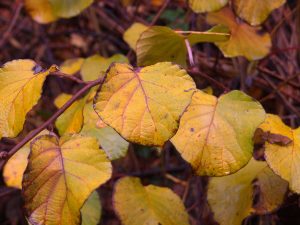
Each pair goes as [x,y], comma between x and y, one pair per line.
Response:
[285,101]
[162,9]
[35,132]
[70,77]
[12,24]
[210,79]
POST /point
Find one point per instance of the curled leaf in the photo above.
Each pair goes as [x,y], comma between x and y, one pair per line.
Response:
[144,104]
[245,40]
[255,11]
[215,134]
[231,197]
[284,160]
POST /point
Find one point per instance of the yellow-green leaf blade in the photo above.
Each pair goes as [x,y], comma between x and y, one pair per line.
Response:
[284,160]
[60,176]
[160,44]
[111,142]
[69,8]
[21,85]
[71,66]
[144,104]
[91,210]
[255,11]
[94,67]
[231,197]
[215,135]
[71,120]
[133,33]
[245,40]
[136,204]
[201,6]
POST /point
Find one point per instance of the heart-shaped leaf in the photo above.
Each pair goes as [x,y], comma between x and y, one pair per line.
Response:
[144,104]
[215,134]
[60,176]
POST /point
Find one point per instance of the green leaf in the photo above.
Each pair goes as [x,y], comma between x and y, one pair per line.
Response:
[60,176]
[144,104]
[136,204]
[91,210]
[231,197]
[215,134]
[159,44]
[111,142]
[69,8]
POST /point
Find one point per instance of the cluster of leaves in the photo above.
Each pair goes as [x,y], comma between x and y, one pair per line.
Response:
[149,105]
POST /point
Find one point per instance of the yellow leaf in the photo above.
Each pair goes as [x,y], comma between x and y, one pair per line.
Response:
[152,205]
[95,66]
[69,8]
[71,66]
[14,168]
[144,104]
[215,135]
[21,83]
[91,210]
[245,40]
[283,160]
[111,142]
[162,44]
[72,119]
[200,6]
[231,197]
[133,33]
[40,10]
[255,11]
[60,176]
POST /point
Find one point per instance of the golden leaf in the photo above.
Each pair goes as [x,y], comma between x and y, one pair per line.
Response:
[144,104]
[71,66]
[284,160]
[255,11]
[60,176]
[40,10]
[133,33]
[245,40]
